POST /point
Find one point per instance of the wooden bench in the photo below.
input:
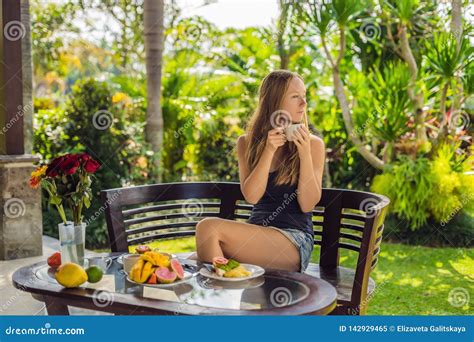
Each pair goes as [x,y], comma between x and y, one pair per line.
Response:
[343,219]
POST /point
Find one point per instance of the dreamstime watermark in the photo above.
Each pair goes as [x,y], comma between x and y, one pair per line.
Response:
[21,112]
[186,125]
[458,297]
[369,206]
[46,330]
[364,303]
[14,30]
[14,208]
[288,199]
[465,198]
[102,298]
[280,118]
[280,296]
[371,119]
[102,119]
[102,208]
[8,302]
[369,31]
[192,208]
[459,120]
[193,31]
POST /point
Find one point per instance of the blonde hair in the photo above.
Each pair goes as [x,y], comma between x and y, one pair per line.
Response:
[271,92]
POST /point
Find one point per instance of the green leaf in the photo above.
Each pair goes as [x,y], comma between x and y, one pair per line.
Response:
[345,10]
[87,201]
[55,200]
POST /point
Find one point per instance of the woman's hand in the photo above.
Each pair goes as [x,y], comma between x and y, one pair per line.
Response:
[302,141]
[275,138]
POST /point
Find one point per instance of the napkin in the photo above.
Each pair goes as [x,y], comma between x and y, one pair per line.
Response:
[156,293]
[107,283]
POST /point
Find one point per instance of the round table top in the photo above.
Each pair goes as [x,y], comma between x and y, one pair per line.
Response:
[273,293]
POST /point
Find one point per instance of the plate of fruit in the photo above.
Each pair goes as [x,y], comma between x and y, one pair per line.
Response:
[140,250]
[231,270]
[158,270]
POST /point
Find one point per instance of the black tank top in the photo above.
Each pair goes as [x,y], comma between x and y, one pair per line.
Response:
[279,207]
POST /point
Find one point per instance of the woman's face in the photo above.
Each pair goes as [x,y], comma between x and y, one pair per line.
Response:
[294,100]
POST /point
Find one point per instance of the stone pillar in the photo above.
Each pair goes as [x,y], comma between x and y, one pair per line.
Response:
[21,226]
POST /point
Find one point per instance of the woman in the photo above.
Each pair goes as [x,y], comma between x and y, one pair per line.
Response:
[281,178]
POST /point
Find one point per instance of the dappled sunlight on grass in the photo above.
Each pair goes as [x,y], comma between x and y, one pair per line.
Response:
[407,280]
[464,266]
[422,281]
[416,280]
[172,246]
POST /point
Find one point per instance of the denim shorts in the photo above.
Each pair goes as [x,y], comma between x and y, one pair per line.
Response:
[303,241]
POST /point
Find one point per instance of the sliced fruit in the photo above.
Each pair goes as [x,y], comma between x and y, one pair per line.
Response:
[220,261]
[165,276]
[146,272]
[238,272]
[54,260]
[177,268]
[156,258]
[70,275]
[142,249]
[136,271]
[153,279]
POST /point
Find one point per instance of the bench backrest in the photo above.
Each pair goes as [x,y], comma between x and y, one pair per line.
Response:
[343,219]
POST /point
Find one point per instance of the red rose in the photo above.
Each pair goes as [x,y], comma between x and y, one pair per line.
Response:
[91,166]
[84,157]
[54,167]
[69,164]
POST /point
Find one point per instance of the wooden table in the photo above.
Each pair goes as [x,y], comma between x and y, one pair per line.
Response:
[274,293]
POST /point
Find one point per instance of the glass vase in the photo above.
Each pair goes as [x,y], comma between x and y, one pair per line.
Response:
[72,238]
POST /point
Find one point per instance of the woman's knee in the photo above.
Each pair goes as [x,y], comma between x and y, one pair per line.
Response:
[204,226]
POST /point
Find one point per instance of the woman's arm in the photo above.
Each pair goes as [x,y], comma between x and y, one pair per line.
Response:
[253,184]
[312,154]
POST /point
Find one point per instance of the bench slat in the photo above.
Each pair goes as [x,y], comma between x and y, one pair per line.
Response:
[138,220]
[161,227]
[163,236]
[169,206]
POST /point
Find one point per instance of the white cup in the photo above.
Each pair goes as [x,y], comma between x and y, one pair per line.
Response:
[129,260]
[290,131]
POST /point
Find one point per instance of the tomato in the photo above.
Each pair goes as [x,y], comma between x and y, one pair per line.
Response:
[54,260]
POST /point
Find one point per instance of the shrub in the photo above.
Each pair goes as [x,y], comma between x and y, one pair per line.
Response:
[408,185]
[422,189]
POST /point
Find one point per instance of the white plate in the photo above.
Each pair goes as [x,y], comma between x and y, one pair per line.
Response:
[187,276]
[257,271]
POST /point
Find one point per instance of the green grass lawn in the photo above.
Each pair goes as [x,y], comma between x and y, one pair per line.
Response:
[411,280]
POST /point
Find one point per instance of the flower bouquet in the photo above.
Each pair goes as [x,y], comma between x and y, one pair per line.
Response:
[67,180]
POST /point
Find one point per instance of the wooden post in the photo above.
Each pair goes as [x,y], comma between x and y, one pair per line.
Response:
[21,224]
[11,85]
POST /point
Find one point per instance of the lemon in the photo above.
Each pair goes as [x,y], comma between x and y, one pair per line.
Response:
[94,274]
[71,275]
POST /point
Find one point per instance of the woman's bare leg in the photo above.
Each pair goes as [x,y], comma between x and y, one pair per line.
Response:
[193,256]
[245,242]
